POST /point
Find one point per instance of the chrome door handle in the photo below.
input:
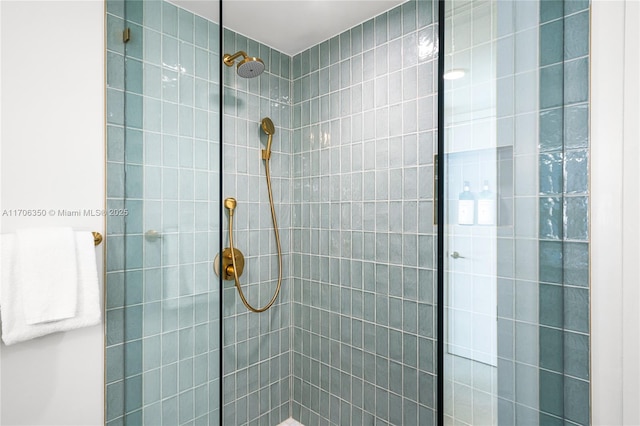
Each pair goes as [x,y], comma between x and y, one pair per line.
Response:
[456,255]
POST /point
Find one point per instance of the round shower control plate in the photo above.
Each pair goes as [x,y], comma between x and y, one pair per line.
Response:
[227,264]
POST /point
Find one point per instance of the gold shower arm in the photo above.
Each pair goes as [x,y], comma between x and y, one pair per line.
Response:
[228,59]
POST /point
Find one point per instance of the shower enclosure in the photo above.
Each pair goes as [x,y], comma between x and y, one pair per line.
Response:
[417,276]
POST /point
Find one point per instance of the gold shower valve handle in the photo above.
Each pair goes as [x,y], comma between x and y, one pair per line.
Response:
[227,264]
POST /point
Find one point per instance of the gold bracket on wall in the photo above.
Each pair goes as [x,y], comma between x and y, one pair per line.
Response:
[126,35]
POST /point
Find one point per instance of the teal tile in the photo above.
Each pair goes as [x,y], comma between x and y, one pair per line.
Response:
[115,400]
[552,86]
[170,52]
[114,360]
[115,106]
[133,110]
[115,143]
[409,18]
[424,14]
[551,129]
[576,355]
[170,410]
[133,326]
[576,35]
[576,172]
[551,265]
[576,127]
[576,309]
[297,65]
[134,11]
[152,284]
[576,398]
[133,146]
[506,412]
[576,263]
[133,358]
[115,7]
[201,67]
[115,290]
[551,225]
[285,66]
[185,25]
[551,173]
[169,19]
[214,38]
[201,33]
[334,51]
[551,305]
[368,34]
[345,45]
[185,374]
[551,9]
[133,392]
[115,254]
[551,393]
[551,349]
[576,212]
[576,81]
[133,288]
[151,387]
[551,43]
[134,181]
[573,6]
[115,70]
[115,27]
[152,14]
[381,29]
[395,22]
[185,121]
[305,59]
[201,402]
[152,318]
[169,380]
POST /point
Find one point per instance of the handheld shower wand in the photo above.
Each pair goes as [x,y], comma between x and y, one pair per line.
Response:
[269,129]
[233,259]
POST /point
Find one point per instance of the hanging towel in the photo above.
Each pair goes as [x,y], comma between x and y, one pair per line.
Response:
[14,326]
[47,273]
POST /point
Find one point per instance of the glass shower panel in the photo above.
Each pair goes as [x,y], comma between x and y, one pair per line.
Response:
[516,321]
[163,187]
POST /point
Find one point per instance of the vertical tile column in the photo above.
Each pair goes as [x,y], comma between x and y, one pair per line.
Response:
[256,347]
[363,235]
[564,196]
[163,169]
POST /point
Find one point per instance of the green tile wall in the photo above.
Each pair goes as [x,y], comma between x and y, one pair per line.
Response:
[564,321]
[363,318]
[256,347]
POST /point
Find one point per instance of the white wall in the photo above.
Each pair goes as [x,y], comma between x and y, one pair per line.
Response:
[52,157]
[615,212]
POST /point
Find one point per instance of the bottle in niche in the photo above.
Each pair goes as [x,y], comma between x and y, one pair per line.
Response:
[466,206]
[486,206]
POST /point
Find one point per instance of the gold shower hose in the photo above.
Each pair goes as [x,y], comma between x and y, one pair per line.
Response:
[266,155]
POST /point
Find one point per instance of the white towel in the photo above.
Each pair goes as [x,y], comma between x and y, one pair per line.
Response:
[14,326]
[47,273]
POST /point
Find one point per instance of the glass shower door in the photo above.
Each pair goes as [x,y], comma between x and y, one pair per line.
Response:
[515,269]
[163,163]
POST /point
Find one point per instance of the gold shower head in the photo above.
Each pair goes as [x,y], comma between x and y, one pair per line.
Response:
[248,67]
